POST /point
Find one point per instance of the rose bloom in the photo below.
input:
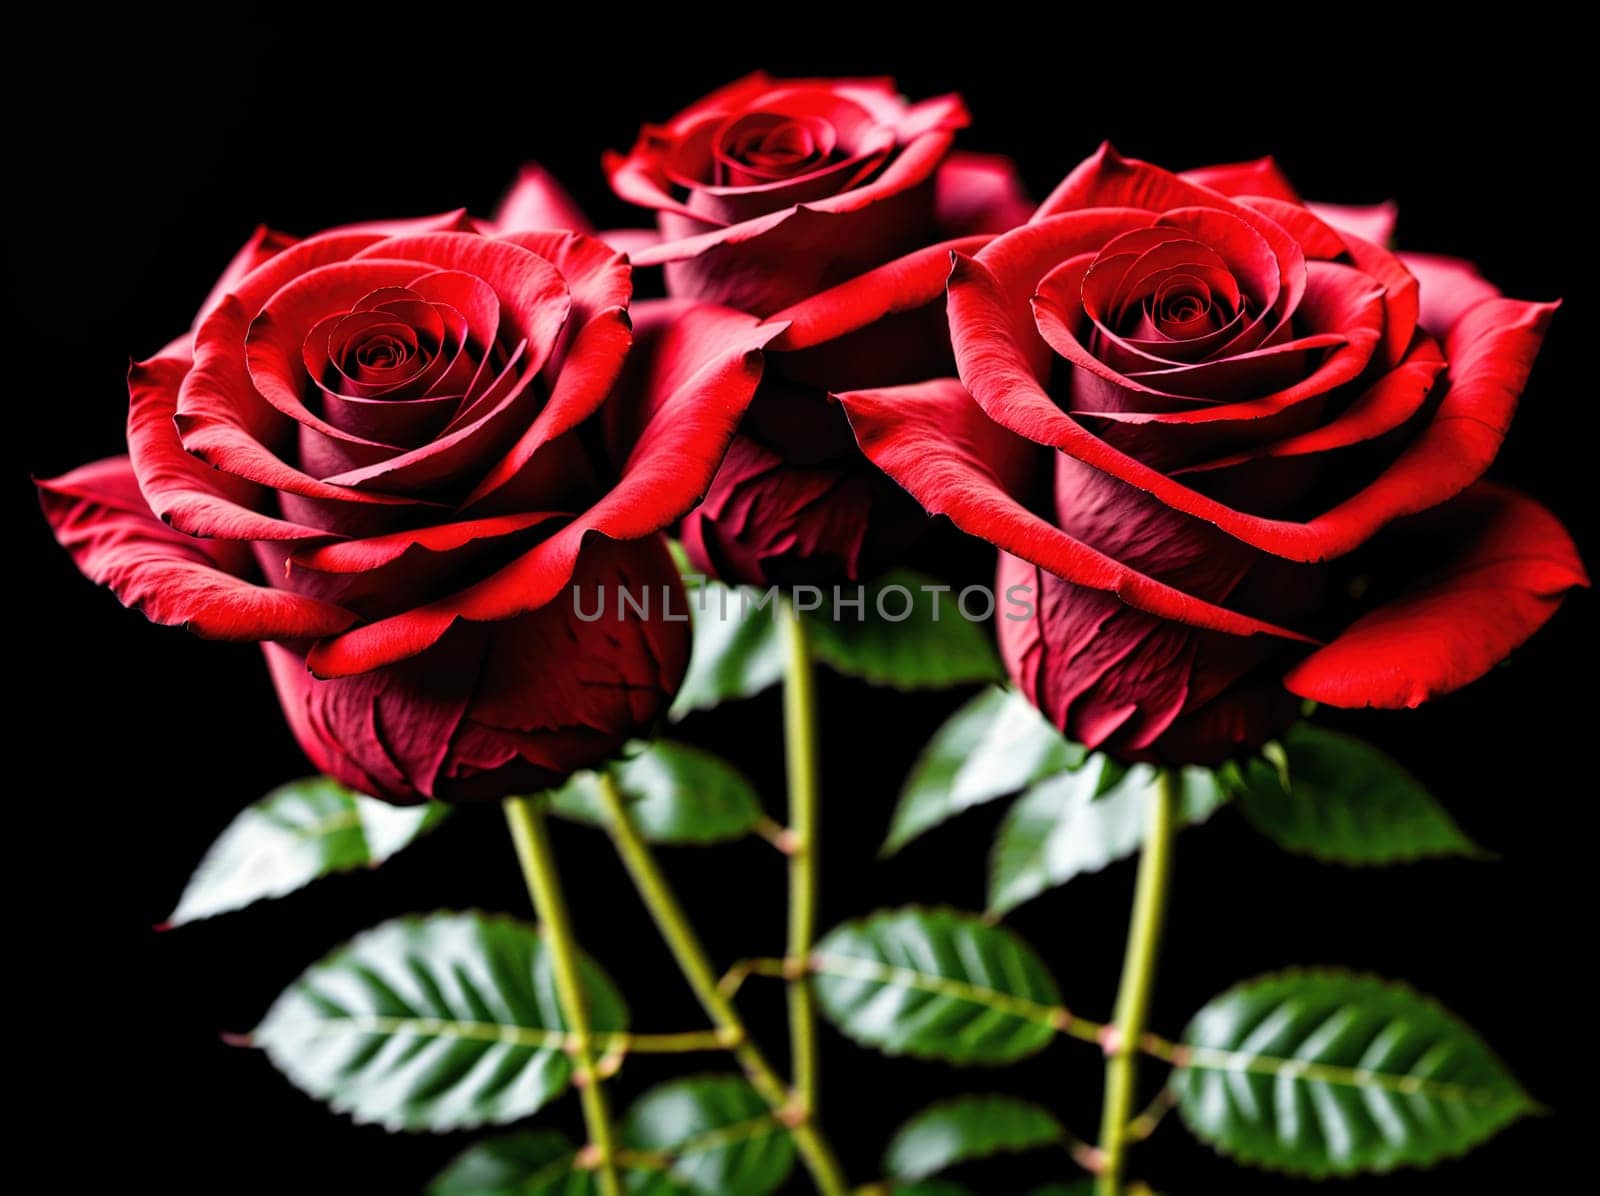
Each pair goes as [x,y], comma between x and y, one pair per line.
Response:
[780,197]
[388,453]
[1268,435]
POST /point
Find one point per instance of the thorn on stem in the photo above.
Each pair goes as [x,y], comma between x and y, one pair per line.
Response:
[587,1159]
[794,1114]
[796,968]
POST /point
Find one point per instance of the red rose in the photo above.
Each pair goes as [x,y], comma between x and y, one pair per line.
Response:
[774,196]
[1269,443]
[387,453]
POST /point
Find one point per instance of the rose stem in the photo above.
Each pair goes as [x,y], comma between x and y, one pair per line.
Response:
[800,746]
[685,946]
[529,832]
[1138,977]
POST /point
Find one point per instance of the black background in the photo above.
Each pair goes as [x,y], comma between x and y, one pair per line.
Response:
[143,156]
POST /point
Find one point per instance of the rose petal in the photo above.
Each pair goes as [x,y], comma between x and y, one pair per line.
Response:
[537,201]
[180,489]
[1259,177]
[1384,406]
[1370,222]
[100,518]
[901,285]
[1510,563]
[1491,350]
[935,442]
[700,377]
[263,244]
[1450,286]
[977,194]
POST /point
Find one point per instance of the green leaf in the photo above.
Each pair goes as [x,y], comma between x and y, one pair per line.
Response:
[525,1163]
[967,1127]
[1080,822]
[715,1133]
[432,1022]
[1346,803]
[935,983]
[1082,1187]
[904,636]
[535,1163]
[296,833]
[736,654]
[677,794]
[929,1187]
[994,745]
[1325,1073]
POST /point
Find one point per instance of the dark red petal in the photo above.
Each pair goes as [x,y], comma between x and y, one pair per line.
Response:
[1510,563]
[901,285]
[100,518]
[1491,350]
[934,441]
[181,489]
[1384,406]
[534,299]
[1259,177]
[220,416]
[587,376]
[274,344]
[1319,239]
[597,275]
[503,707]
[374,552]
[1107,179]
[702,374]
[537,201]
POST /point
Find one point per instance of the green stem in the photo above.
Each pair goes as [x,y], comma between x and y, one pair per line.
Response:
[1138,978]
[526,817]
[685,946]
[800,745]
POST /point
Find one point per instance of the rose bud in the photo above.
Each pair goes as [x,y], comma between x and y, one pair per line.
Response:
[784,198]
[390,453]
[1269,435]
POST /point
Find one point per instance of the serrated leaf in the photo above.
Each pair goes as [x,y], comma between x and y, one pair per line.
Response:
[935,983]
[676,793]
[994,745]
[736,653]
[964,1128]
[1080,822]
[432,1022]
[934,646]
[715,1133]
[1346,803]
[535,1163]
[298,832]
[1326,1073]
